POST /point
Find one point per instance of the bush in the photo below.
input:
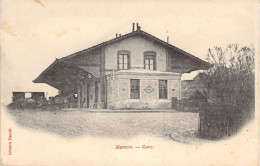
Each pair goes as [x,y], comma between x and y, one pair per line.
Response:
[199,96]
[230,90]
[230,81]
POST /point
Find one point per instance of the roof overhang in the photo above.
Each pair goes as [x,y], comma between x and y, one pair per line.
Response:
[61,73]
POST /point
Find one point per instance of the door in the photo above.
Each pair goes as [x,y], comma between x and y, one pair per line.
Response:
[134,89]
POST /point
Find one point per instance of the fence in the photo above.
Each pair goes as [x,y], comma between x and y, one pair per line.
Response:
[177,104]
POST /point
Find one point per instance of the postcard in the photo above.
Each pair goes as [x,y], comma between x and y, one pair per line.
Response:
[113,82]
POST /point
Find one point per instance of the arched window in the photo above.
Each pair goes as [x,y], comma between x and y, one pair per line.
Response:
[150,60]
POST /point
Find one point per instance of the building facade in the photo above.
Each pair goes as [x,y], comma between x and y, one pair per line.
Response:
[132,71]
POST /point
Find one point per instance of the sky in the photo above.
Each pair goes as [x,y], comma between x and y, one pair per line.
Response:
[35,32]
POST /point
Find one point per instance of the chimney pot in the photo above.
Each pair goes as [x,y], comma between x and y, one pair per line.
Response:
[138,27]
[167,39]
[133,27]
[116,35]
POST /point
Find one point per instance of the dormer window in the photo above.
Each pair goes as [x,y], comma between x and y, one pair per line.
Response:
[150,60]
[123,60]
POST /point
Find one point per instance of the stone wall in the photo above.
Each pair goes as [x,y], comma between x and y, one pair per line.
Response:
[124,89]
[139,104]
[149,89]
[112,91]
[119,92]
[174,89]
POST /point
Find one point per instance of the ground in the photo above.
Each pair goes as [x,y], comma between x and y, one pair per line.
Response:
[169,124]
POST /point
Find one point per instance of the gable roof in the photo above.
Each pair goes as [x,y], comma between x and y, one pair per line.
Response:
[138,32]
[131,34]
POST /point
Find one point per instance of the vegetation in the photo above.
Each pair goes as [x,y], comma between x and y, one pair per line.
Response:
[230,89]
[230,81]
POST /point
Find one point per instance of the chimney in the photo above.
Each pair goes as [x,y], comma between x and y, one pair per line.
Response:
[119,35]
[138,27]
[133,27]
[116,35]
[167,39]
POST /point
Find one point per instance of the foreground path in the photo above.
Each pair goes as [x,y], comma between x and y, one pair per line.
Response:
[179,126]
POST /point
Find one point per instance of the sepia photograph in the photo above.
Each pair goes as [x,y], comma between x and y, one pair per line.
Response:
[129,82]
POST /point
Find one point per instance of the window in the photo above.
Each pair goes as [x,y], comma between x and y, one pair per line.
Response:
[163,89]
[123,60]
[135,89]
[150,60]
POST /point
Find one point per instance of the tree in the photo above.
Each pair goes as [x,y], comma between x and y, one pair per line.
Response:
[230,80]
